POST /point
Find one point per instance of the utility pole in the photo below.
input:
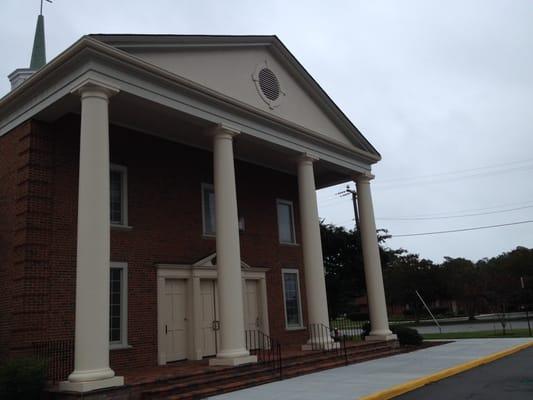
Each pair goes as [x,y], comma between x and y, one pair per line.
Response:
[347,192]
[355,209]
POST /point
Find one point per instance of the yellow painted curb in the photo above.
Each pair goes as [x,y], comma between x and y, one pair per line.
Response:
[445,373]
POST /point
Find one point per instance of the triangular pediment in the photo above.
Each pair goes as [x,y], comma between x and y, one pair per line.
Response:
[211,261]
[234,66]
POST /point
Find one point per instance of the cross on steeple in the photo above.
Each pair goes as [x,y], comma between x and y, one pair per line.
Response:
[41,13]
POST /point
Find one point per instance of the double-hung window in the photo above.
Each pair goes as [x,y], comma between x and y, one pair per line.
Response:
[286,222]
[291,297]
[119,195]
[208,209]
[118,305]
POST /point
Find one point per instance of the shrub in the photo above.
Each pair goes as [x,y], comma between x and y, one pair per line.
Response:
[406,335]
[22,378]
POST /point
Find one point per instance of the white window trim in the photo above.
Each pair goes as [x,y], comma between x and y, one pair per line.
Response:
[206,186]
[290,204]
[123,343]
[297,272]
[124,206]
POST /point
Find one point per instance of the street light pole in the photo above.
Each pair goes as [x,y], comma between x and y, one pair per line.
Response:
[527,303]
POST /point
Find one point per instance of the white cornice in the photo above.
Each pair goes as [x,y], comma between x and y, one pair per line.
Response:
[87,57]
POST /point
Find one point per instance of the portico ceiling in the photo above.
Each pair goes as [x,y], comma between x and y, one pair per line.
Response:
[126,110]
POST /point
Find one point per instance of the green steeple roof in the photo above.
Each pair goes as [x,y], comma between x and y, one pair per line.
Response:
[38,54]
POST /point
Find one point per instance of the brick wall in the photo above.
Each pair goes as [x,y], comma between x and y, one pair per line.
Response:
[8,185]
[164,210]
[27,185]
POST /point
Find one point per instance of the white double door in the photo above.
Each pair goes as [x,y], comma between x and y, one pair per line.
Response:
[210,323]
[176,316]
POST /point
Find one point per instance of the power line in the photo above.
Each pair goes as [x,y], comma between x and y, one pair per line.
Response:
[515,204]
[493,166]
[451,216]
[396,185]
[526,204]
[333,202]
[462,230]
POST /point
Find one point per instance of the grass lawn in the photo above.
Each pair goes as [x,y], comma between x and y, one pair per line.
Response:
[515,333]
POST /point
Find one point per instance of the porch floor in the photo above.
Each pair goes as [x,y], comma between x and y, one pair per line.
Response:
[187,368]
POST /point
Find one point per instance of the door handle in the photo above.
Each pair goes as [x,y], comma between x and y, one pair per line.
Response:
[166,329]
[215,325]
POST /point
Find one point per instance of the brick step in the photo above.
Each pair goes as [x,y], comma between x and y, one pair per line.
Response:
[350,351]
[227,380]
[238,384]
[210,378]
[202,393]
[354,348]
[181,382]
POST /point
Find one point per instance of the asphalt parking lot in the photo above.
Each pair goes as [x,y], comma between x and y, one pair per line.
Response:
[510,378]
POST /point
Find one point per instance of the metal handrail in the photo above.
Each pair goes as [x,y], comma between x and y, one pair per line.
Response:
[351,330]
[323,338]
[58,356]
[266,348]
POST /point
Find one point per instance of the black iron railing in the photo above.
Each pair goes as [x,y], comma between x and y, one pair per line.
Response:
[351,331]
[58,356]
[267,350]
[322,338]
[335,338]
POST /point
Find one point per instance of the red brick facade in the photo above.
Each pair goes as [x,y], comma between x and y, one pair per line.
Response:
[38,214]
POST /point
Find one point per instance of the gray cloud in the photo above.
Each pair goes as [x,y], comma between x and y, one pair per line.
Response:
[436,86]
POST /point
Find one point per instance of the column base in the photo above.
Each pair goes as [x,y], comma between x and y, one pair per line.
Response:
[232,361]
[82,387]
[381,337]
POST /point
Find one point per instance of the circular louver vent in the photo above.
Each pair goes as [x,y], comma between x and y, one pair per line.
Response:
[269,84]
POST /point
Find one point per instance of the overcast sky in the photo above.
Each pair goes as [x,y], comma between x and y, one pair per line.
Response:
[443,89]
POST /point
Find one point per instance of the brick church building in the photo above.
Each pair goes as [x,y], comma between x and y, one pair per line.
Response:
[157,201]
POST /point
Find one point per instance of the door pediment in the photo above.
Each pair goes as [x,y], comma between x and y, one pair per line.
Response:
[211,261]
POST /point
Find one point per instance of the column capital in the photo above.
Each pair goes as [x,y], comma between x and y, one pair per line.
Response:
[365,177]
[308,157]
[223,131]
[94,87]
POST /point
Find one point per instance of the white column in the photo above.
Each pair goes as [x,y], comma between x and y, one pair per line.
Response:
[91,352]
[377,306]
[232,349]
[315,283]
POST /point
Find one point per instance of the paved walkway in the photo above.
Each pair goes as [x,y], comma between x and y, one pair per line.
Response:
[354,381]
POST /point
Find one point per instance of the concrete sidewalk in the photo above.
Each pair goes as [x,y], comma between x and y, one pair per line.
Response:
[357,380]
